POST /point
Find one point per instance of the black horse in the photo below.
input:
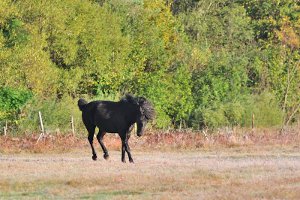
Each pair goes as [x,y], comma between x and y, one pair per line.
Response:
[116,117]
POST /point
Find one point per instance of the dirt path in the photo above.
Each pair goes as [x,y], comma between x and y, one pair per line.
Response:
[229,174]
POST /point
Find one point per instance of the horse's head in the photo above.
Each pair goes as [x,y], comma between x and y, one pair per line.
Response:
[146,113]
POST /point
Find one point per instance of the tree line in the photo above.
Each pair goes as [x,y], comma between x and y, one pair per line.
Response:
[203,63]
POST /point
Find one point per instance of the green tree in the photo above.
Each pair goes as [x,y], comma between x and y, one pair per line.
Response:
[276,26]
[157,61]
[222,39]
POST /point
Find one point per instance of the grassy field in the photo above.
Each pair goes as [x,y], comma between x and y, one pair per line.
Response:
[245,171]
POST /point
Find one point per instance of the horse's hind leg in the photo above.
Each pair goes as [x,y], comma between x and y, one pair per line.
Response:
[91,130]
[100,140]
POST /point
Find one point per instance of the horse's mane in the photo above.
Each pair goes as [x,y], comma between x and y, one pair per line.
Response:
[146,107]
[129,99]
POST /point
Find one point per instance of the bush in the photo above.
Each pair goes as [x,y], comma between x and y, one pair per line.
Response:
[267,113]
[12,101]
[56,115]
[229,114]
[266,110]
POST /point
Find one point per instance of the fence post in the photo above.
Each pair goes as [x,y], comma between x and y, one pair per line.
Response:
[252,124]
[180,124]
[72,125]
[42,127]
[5,128]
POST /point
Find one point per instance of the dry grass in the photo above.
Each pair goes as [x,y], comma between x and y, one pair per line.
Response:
[155,175]
[156,140]
[177,165]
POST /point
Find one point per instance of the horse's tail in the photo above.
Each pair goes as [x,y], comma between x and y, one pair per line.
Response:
[82,104]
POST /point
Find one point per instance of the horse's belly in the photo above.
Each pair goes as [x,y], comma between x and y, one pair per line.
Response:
[111,127]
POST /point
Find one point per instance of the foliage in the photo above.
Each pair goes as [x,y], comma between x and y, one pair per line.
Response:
[203,63]
[56,115]
[12,101]
[265,110]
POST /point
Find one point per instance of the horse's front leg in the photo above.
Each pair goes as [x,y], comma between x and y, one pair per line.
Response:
[125,147]
[100,140]
[123,151]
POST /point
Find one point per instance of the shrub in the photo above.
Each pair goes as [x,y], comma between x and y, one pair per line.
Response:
[56,115]
[266,110]
[12,101]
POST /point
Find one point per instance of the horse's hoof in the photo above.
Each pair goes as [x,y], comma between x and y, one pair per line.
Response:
[131,161]
[94,157]
[106,156]
[124,161]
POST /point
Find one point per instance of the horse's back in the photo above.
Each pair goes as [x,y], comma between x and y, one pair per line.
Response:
[108,116]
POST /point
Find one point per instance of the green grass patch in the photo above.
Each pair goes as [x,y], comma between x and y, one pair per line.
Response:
[111,194]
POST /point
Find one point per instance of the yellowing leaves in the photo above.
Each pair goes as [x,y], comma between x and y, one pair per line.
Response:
[161,16]
[40,76]
[200,58]
[288,35]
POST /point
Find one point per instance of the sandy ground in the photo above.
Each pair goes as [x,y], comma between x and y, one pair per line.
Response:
[195,174]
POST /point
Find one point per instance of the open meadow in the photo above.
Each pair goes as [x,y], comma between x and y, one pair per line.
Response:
[211,86]
[167,166]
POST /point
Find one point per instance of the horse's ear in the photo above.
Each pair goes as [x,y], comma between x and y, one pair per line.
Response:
[129,98]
